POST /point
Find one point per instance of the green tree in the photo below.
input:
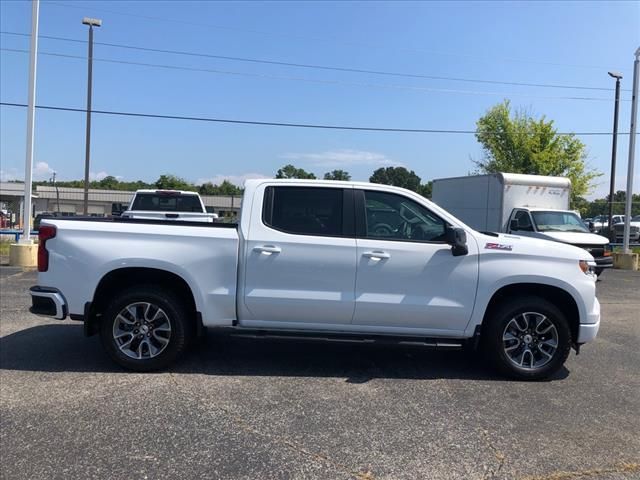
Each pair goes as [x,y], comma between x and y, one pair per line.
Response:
[425,189]
[337,175]
[108,183]
[397,176]
[289,171]
[173,182]
[225,188]
[518,143]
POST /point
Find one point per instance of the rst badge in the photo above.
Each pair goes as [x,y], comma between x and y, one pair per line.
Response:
[498,246]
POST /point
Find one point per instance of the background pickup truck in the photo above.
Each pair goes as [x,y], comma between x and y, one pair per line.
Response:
[168,205]
[321,259]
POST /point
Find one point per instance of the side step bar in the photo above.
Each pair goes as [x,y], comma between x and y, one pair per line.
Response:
[426,342]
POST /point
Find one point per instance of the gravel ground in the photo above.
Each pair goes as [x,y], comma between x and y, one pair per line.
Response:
[242,408]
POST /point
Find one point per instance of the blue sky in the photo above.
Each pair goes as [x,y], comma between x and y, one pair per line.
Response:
[568,43]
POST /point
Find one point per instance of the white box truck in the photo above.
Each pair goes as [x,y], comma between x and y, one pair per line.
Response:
[526,205]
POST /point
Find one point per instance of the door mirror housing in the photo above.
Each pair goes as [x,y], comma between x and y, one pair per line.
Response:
[592,227]
[457,238]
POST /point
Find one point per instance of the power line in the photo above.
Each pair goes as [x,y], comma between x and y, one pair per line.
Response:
[312,80]
[325,40]
[319,67]
[278,124]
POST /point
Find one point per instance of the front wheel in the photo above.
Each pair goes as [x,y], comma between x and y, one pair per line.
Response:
[145,328]
[527,338]
[599,271]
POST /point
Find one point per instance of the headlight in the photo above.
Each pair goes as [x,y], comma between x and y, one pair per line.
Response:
[587,267]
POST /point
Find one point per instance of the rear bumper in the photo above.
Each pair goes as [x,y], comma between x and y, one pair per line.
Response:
[48,302]
[588,331]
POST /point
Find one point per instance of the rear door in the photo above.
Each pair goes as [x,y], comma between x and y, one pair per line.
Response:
[407,277]
[300,262]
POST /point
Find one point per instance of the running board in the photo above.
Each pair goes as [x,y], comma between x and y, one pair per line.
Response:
[425,342]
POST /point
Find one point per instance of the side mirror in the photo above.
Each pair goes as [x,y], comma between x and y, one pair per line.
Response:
[513,225]
[457,238]
[592,227]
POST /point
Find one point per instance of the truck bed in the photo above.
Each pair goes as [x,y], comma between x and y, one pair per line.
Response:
[86,249]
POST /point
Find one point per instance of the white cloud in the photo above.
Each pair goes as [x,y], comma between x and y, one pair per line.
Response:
[235,179]
[9,175]
[342,158]
[42,170]
[93,176]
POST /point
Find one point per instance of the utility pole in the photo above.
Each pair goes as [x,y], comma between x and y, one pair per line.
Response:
[632,153]
[31,119]
[92,22]
[57,191]
[612,185]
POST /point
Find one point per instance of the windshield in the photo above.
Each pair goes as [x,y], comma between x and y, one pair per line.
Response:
[166,202]
[636,218]
[558,222]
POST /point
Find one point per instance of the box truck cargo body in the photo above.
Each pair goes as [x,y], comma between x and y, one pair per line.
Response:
[485,202]
[527,205]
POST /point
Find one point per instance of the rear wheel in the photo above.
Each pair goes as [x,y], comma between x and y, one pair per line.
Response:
[527,338]
[145,328]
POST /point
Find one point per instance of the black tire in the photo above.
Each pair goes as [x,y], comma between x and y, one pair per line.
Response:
[173,313]
[599,271]
[495,327]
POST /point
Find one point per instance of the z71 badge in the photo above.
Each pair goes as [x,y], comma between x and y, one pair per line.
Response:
[498,246]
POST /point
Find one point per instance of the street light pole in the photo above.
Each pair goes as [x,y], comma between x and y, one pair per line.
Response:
[92,22]
[632,152]
[31,120]
[614,147]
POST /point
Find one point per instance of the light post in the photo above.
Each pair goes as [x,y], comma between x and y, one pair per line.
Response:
[92,22]
[614,147]
[53,180]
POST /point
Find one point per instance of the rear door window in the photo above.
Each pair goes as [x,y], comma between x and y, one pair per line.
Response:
[305,210]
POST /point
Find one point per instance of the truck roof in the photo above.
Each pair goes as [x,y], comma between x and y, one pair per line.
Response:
[520,179]
[257,181]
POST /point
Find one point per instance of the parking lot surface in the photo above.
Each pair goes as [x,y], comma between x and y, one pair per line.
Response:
[247,408]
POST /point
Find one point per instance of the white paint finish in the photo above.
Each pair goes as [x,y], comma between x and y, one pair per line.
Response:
[420,285]
[310,283]
[572,237]
[296,278]
[206,258]
[537,261]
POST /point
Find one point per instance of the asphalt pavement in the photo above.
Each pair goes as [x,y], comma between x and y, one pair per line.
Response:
[262,409]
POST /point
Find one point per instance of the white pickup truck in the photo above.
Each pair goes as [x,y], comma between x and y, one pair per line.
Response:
[175,205]
[321,259]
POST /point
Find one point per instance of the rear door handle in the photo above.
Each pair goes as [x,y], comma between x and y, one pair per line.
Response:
[267,249]
[376,255]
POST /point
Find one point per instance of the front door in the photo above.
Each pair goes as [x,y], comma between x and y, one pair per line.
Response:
[407,276]
[301,259]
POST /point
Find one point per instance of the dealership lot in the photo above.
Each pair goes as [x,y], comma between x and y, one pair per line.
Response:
[252,408]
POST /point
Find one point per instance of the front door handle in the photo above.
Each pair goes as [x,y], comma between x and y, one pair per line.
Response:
[376,255]
[267,249]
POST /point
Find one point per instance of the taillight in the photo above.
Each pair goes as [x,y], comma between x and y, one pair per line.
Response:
[45,232]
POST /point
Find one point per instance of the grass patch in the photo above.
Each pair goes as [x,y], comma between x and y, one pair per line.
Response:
[4,248]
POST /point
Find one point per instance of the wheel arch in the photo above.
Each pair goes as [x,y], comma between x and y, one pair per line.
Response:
[561,298]
[121,279]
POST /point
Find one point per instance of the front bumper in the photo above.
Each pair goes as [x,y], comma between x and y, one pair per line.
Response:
[48,302]
[588,331]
